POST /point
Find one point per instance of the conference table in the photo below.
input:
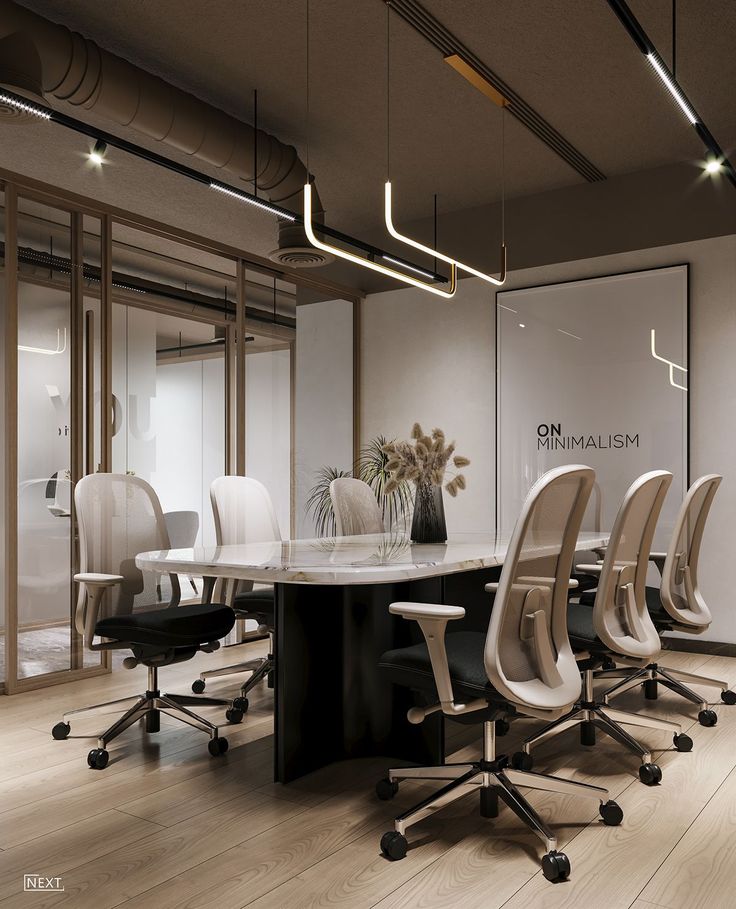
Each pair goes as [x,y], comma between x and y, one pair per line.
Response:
[332,624]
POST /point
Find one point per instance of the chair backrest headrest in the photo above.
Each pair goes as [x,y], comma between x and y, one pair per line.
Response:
[243,511]
[528,657]
[120,516]
[620,615]
[183,527]
[355,507]
[680,591]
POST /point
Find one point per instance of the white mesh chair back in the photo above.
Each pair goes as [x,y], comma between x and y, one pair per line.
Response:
[120,516]
[355,507]
[183,527]
[528,656]
[620,615]
[680,592]
[244,513]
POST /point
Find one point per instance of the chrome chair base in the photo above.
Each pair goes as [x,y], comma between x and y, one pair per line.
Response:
[493,779]
[590,715]
[260,668]
[148,707]
[673,679]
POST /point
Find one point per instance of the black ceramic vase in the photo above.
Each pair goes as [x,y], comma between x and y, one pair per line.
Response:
[428,524]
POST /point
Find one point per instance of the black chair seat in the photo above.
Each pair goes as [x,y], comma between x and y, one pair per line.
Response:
[259,602]
[176,626]
[411,667]
[659,614]
[580,627]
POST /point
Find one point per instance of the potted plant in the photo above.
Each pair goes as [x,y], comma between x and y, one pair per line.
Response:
[424,461]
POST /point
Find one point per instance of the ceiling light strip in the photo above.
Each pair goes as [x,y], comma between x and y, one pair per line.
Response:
[491,279]
[370,263]
[112,141]
[642,41]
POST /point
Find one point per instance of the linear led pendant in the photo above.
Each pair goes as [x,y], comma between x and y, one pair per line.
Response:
[368,263]
[433,252]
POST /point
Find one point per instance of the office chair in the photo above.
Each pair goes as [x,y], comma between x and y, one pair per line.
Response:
[523,665]
[244,513]
[617,627]
[355,507]
[678,605]
[183,527]
[118,517]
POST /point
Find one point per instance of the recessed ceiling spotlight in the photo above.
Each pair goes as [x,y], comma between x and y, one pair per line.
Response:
[522,325]
[97,155]
[714,166]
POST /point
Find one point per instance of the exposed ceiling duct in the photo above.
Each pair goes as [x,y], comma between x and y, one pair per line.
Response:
[43,60]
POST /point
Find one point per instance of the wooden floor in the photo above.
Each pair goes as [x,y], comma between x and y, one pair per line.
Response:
[168,827]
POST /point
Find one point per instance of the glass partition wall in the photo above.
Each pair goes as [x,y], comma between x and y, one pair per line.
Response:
[129,350]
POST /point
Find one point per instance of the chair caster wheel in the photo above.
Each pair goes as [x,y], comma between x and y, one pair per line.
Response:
[394,845]
[707,717]
[233,715]
[97,758]
[650,774]
[198,686]
[728,697]
[682,742]
[61,731]
[217,746]
[608,663]
[611,813]
[240,704]
[650,689]
[502,727]
[556,866]
[520,760]
[386,789]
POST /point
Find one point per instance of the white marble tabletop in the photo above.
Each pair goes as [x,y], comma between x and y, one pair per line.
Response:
[368,559]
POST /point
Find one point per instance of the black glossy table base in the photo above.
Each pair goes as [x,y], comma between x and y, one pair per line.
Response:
[331,701]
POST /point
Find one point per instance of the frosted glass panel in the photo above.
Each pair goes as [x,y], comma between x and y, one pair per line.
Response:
[44,464]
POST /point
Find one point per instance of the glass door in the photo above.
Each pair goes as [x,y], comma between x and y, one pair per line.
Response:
[57,358]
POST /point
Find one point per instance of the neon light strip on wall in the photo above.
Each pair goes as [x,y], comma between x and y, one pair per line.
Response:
[672,366]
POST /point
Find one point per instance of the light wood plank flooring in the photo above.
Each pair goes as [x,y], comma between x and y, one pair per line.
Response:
[168,827]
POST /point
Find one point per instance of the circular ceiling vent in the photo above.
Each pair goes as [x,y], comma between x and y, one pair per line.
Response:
[301,257]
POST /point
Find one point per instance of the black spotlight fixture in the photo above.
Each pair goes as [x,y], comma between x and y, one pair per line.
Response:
[97,155]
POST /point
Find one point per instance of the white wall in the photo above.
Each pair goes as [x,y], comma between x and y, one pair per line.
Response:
[324,397]
[435,362]
[430,361]
[268,428]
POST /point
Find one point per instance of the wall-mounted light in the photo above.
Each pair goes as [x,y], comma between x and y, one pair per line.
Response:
[48,351]
[672,366]
[97,155]
[370,263]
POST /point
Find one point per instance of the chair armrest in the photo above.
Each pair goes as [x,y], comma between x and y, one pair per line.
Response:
[659,559]
[88,604]
[572,584]
[426,611]
[433,619]
[589,568]
[92,579]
